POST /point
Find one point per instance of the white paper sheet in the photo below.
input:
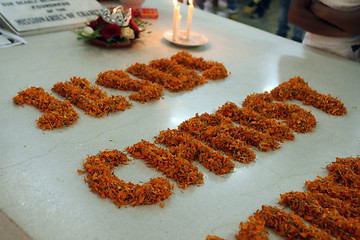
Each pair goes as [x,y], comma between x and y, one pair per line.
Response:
[29,17]
[8,39]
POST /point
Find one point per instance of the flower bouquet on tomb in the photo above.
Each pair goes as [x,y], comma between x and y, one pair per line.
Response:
[114,28]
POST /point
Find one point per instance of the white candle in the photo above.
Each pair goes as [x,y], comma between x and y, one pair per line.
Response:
[175,19]
[189,19]
[178,22]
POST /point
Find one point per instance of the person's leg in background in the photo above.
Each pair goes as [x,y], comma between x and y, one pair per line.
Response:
[298,34]
[257,8]
[283,25]
[200,3]
[231,10]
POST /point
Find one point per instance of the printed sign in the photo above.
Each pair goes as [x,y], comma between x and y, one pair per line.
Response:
[26,17]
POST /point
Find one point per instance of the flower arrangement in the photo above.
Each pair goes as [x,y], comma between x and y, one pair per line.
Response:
[178,168]
[115,27]
[57,114]
[184,145]
[217,139]
[101,179]
[90,98]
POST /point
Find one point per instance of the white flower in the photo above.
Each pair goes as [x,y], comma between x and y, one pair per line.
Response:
[90,19]
[87,31]
[127,33]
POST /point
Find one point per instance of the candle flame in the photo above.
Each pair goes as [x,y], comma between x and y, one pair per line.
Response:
[175,2]
[190,2]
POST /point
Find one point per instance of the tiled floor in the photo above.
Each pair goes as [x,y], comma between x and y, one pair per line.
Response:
[267,23]
[9,230]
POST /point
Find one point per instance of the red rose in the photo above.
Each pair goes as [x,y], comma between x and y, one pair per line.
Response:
[97,22]
[134,27]
[110,30]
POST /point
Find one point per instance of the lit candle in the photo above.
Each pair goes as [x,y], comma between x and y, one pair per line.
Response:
[189,19]
[176,19]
